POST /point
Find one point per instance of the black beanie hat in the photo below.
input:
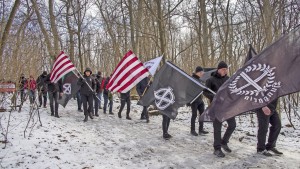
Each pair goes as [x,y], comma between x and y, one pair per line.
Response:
[88,69]
[198,69]
[222,64]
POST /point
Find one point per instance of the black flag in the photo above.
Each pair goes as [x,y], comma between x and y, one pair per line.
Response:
[251,54]
[271,74]
[171,89]
[70,88]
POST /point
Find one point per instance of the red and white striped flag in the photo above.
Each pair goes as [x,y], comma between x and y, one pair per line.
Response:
[127,74]
[62,65]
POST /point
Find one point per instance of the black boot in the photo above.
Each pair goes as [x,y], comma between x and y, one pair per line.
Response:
[85,118]
[119,115]
[128,118]
[52,114]
[97,115]
[91,116]
[193,132]
[56,115]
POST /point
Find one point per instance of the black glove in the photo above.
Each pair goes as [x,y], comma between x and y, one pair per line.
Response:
[188,104]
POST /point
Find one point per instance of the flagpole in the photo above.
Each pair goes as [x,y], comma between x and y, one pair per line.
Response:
[85,82]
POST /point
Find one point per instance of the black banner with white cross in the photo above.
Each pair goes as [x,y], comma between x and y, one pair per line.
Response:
[271,74]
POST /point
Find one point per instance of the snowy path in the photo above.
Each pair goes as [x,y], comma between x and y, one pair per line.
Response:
[110,142]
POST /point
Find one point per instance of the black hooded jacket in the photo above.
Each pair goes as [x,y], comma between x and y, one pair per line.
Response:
[214,83]
[53,87]
[199,99]
[85,90]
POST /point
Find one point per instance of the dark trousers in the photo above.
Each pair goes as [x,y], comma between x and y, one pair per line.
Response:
[22,95]
[263,124]
[196,107]
[53,96]
[43,95]
[31,96]
[145,113]
[217,132]
[106,99]
[96,102]
[79,102]
[123,102]
[87,100]
[165,124]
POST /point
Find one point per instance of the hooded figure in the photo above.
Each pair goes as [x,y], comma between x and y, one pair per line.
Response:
[87,89]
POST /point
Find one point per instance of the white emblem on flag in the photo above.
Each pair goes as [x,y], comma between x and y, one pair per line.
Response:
[67,88]
[164,97]
[264,86]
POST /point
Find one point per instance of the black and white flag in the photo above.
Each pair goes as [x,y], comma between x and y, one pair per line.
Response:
[171,89]
[70,88]
[271,74]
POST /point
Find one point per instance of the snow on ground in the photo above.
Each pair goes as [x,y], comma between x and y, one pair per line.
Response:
[110,142]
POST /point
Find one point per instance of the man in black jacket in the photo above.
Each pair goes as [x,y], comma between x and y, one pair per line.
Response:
[140,88]
[107,95]
[266,115]
[55,90]
[87,91]
[22,83]
[97,95]
[197,105]
[42,88]
[214,83]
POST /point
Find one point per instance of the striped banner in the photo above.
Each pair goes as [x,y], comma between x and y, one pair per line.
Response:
[62,65]
[127,74]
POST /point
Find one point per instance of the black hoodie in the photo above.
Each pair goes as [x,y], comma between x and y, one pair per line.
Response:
[214,83]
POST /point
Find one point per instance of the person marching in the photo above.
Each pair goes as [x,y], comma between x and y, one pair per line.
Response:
[55,90]
[86,92]
[214,83]
[125,99]
[265,116]
[97,95]
[197,105]
[99,90]
[140,88]
[31,87]
[42,88]
[22,83]
[107,95]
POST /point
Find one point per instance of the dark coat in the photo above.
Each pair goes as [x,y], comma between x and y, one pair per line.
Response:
[22,83]
[125,95]
[272,106]
[85,90]
[214,83]
[105,91]
[98,81]
[53,87]
[199,100]
[41,85]
[142,85]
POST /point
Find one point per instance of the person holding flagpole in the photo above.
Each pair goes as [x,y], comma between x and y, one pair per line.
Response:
[125,99]
[87,93]
[197,105]
[265,116]
[55,90]
[141,88]
[214,83]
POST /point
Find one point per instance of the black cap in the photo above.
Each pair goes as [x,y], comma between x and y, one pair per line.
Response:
[45,73]
[88,69]
[222,64]
[198,69]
